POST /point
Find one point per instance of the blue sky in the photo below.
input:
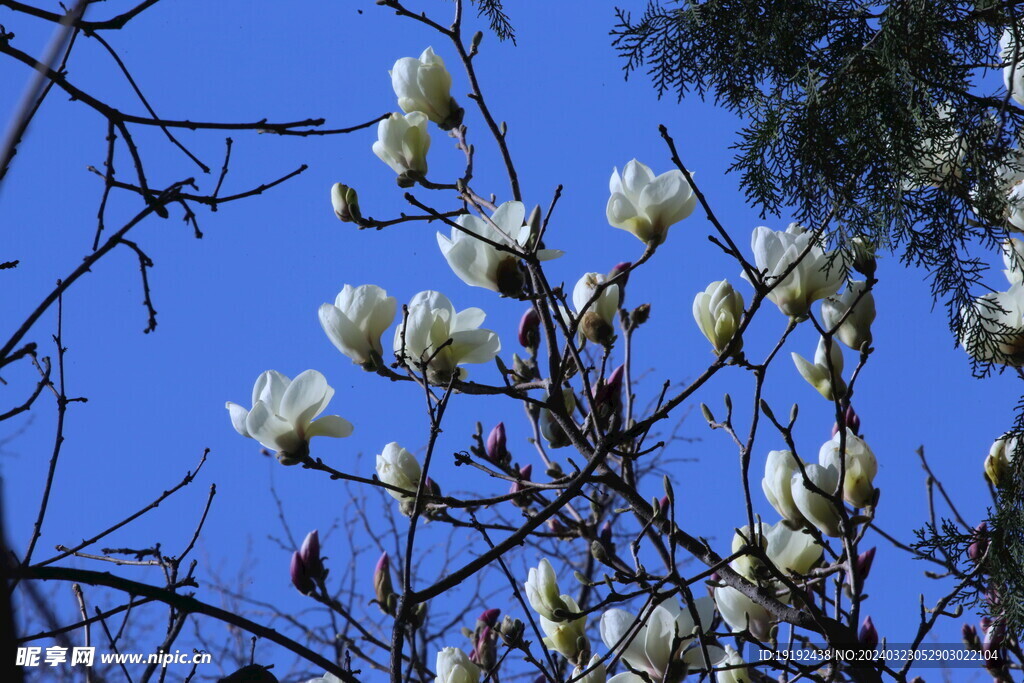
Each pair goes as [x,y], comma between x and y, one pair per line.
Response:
[244,298]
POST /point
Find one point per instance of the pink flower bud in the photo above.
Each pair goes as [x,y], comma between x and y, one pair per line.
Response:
[621,282]
[605,535]
[976,550]
[382,586]
[868,635]
[490,617]
[969,634]
[556,526]
[309,553]
[663,504]
[524,475]
[608,394]
[864,562]
[496,445]
[300,577]
[529,329]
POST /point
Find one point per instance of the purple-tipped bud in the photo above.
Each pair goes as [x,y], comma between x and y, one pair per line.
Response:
[621,282]
[309,553]
[496,445]
[556,526]
[969,634]
[864,562]
[851,420]
[663,504]
[300,577]
[608,394]
[605,535]
[524,475]
[490,617]
[484,648]
[382,586]
[992,644]
[529,329]
[976,550]
[431,487]
[868,635]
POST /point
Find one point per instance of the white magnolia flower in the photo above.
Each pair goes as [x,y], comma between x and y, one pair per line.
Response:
[816,275]
[650,650]
[432,321]
[402,144]
[398,467]
[1013,259]
[542,591]
[598,318]
[861,467]
[733,675]
[480,264]
[646,205]
[816,508]
[740,612]
[1013,58]
[596,671]
[328,677]
[794,551]
[941,157]
[718,310]
[453,666]
[357,319]
[827,381]
[777,485]
[284,412]
[424,85]
[748,565]
[855,330]
[1000,458]
[567,637]
[998,336]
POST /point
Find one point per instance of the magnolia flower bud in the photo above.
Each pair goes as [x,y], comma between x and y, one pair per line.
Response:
[496,449]
[511,631]
[542,592]
[567,636]
[969,634]
[718,310]
[453,666]
[356,320]
[597,318]
[827,381]
[976,550]
[398,467]
[517,487]
[424,85]
[299,575]
[777,485]
[816,508]
[868,634]
[861,467]
[605,534]
[622,268]
[863,255]
[489,617]
[648,206]
[382,586]
[346,203]
[596,671]
[402,144]
[1000,457]
[748,565]
[817,275]
[608,395]
[738,673]
[855,329]
[529,329]
[552,431]
[863,563]
[851,420]
[485,648]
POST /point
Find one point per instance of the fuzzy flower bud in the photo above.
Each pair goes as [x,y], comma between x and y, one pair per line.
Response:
[346,203]
[496,445]
[529,329]
[868,634]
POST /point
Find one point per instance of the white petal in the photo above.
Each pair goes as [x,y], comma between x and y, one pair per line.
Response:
[305,398]
[329,425]
[238,415]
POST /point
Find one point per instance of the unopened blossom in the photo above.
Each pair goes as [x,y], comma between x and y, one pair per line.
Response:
[741,613]
[816,275]
[777,484]
[402,144]
[828,381]
[737,673]
[383,589]
[1000,458]
[306,566]
[431,322]
[356,320]
[596,671]
[998,335]
[549,427]
[597,316]
[648,206]
[424,85]
[284,412]
[1013,259]
[568,637]
[399,468]
[666,641]
[496,445]
[861,467]
[868,634]
[815,507]
[481,264]
[542,592]
[454,666]
[855,328]
[718,310]
[345,202]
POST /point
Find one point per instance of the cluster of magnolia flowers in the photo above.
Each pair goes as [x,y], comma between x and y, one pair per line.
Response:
[436,340]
